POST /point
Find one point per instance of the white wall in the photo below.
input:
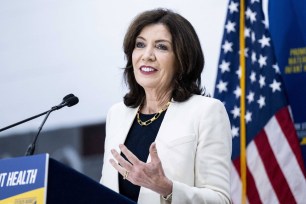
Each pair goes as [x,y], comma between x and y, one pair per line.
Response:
[50,48]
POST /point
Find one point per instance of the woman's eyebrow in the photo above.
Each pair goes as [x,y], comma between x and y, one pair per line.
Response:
[157,41]
[164,40]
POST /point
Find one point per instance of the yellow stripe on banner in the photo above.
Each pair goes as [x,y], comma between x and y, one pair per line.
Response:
[31,197]
[242,107]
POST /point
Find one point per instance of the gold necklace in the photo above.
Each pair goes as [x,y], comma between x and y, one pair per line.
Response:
[155,117]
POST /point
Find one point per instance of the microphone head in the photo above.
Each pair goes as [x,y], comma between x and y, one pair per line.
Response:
[67,97]
[69,100]
[72,101]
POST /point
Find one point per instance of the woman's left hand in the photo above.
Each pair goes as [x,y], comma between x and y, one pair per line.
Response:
[149,175]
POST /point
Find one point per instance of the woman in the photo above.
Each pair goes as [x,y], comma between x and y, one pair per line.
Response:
[177,143]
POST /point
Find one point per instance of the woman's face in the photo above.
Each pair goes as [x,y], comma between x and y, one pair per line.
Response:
[153,58]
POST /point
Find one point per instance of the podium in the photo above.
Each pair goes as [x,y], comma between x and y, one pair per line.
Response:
[66,185]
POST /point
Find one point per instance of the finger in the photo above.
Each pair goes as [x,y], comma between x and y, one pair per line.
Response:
[122,162]
[153,152]
[129,155]
[119,168]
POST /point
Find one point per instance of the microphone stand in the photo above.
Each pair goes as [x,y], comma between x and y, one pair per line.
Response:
[31,149]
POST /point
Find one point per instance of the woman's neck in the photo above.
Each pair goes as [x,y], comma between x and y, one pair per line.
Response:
[153,103]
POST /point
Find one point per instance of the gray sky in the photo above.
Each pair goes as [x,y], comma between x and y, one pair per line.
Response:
[50,48]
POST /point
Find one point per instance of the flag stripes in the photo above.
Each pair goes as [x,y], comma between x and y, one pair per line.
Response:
[286,159]
[284,119]
[262,182]
[271,165]
[235,186]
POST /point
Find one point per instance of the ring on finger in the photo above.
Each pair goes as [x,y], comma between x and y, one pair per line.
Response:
[126,174]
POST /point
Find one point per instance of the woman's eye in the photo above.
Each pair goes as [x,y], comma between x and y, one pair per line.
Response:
[139,44]
[162,47]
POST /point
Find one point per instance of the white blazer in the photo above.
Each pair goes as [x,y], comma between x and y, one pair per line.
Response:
[194,145]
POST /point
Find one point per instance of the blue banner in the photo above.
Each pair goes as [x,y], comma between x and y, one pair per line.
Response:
[287,24]
[24,179]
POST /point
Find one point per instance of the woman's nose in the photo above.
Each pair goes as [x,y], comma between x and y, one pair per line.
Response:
[148,54]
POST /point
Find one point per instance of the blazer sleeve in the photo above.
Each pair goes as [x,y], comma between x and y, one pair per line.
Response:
[212,161]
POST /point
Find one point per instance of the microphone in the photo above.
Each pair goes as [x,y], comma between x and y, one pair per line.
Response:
[69,100]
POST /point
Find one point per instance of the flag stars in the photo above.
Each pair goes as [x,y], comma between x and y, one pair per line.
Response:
[227,46]
[275,86]
[253,17]
[230,27]
[250,15]
[262,61]
[264,41]
[266,23]
[253,37]
[262,82]
[248,117]
[224,66]
[247,32]
[261,101]
[235,112]
[275,66]
[253,1]
[253,77]
[245,52]
[237,92]
[233,7]
[250,97]
[235,131]
[222,86]
[238,72]
[253,57]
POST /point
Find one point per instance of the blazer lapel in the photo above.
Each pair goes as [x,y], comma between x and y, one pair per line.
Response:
[167,127]
[124,126]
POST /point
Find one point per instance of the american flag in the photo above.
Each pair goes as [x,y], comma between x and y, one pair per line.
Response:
[274,165]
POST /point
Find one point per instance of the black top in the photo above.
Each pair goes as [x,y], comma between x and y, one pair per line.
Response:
[138,141]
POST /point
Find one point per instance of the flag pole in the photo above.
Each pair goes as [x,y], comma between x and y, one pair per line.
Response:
[242,106]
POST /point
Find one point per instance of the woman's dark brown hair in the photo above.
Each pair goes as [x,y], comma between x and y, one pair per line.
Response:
[187,50]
